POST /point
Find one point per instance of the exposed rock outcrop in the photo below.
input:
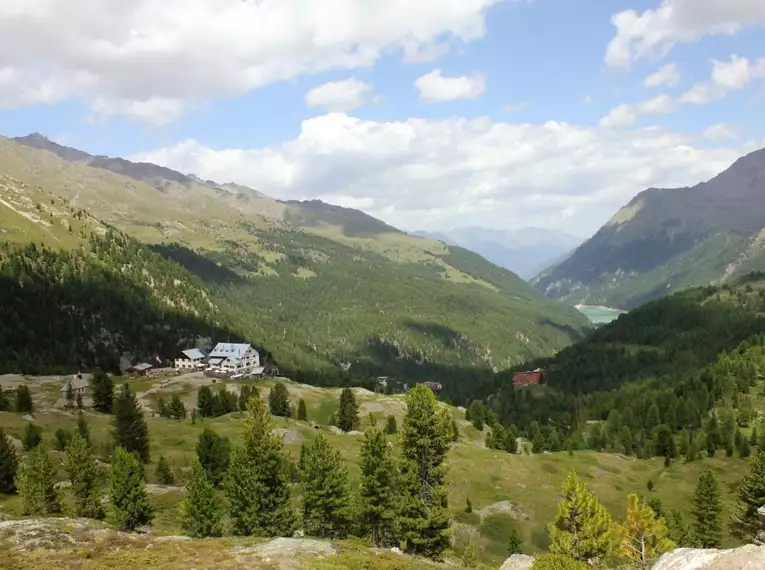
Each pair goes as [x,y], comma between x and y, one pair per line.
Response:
[750,557]
[518,562]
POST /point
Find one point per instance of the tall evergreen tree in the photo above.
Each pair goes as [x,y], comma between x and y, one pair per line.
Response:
[751,496]
[706,510]
[679,530]
[470,555]
[9,464]
[205,402]
[32,436]
[162,472]
[5,404]
[378,480]
[102,391]
[130,429]
[200,511]
[348,414]
[35,480]
[213,453]
[69,399]
[423,517]
[279,401]
[84,475]
[643,537]
[302,413]
[176,410]
[258,480]
[326,505]
[582,528]
[128,499]
[23,400]
[82,427]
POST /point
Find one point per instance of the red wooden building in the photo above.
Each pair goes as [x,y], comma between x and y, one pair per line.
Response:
[528,378]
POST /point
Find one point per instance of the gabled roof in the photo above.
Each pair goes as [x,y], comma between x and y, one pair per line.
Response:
[229,350]
[193,354]
[141,367]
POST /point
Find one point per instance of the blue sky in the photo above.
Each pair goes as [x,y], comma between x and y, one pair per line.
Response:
[552,124]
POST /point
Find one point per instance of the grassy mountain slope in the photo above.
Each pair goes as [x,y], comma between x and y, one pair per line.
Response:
[318,285]
[523,488]
[667,240]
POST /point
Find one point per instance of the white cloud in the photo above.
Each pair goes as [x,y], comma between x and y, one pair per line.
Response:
[727,76]
[344,95]
[140,58]
[436,88]
[666,75]
[719,132]
[652,34]
[517,107]
[628,114]
[443,173]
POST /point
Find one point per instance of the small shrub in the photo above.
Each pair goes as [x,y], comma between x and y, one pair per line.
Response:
[558,562]
[61,438]
[32,436]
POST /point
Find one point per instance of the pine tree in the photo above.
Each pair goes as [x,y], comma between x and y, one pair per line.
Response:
[82,427]
[744,450]
[102,392]
[9,464]
[213,453]
[751,496]
[377,490]
[23,400]
[257,483]
[470,555]
[199,509]
[176,410]
[69,396]
[279,401]
[84,476]
[390,425]
[325,491]
[348,414]
[302,413]
[582,527]
[706,510]
[61,438]
[130,429]
[514,542]
[643,537]
[34,481]
[423,517]
[679,530]
[129,502]
[32,436]
[162,472]
[205,402]
[5,404]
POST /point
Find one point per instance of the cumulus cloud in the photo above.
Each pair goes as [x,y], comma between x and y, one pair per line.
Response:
[436,88]
[727,76]
[344,95]
[628,114]
[667,75]
[652,34]
[719,132]
[144,58]
[517,106]
[433,174]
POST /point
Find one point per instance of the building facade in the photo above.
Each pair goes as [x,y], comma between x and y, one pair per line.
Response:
[234,359]
[190,359]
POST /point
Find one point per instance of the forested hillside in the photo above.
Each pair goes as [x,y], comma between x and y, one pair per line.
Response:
[646,383]
[326,290]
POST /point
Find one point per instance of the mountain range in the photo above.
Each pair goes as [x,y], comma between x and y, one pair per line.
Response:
[665,240]
[525,251]
[319,287]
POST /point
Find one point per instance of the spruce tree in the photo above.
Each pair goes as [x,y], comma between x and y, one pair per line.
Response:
[32,436]
[302,413]
[23,400]
[9,464]
[348,414]
[514,542]
[128,499]
[643,537]
[582,528]
[746,523]
[84,476]
[102,392]
[69,400]
[706,510]
[205,402]
[82,427]
[34,481]
[744,450]
[279,401]
[423,516]
[176,410]
[325,496]
[130,429]
[390,425]
[162,472]
[470,555]
[5,404]
[200,511]
[679,530]
[61,438]
[213,453]
[257,483]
